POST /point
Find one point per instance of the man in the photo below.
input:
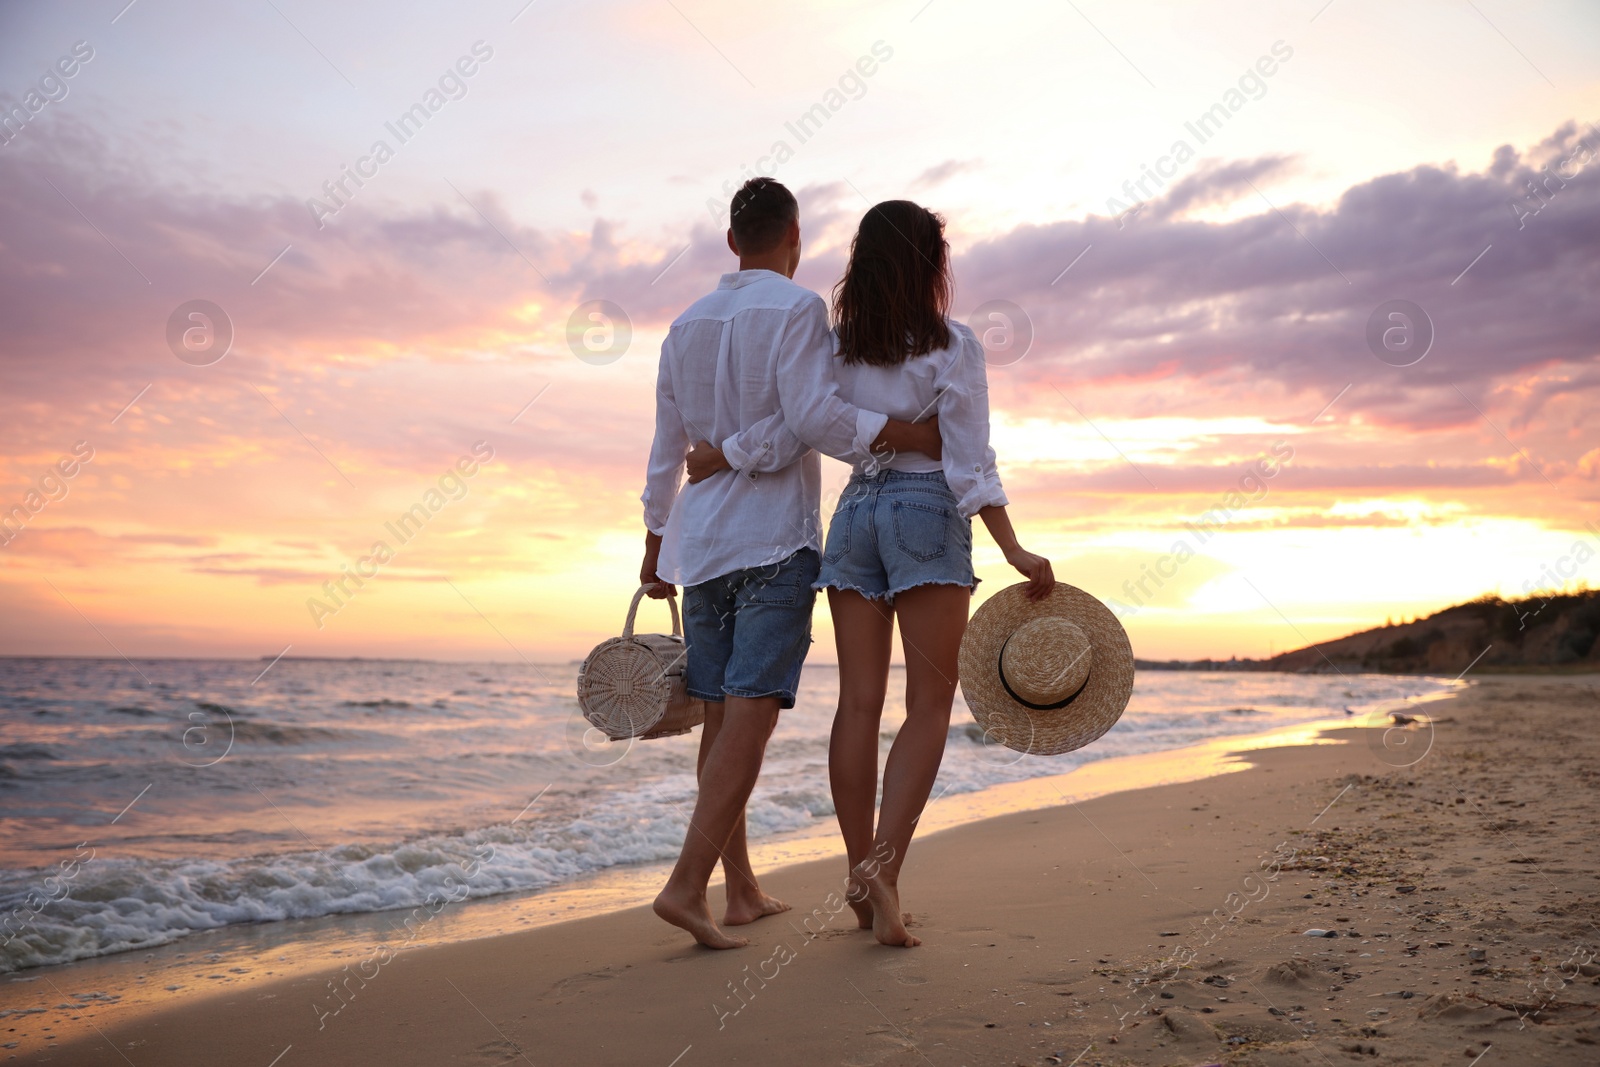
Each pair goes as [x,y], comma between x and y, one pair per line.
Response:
[745,543]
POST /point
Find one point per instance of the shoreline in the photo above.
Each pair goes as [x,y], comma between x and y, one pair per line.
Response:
[1112,927]
[252,960]
[228,960]
[1156,926]
[221,880]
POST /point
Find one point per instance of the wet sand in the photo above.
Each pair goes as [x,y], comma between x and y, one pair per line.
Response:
[1455,865]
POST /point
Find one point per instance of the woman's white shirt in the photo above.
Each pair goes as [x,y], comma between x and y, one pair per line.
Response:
[951,383]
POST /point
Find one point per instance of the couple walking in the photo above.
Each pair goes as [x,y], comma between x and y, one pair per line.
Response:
[752,385]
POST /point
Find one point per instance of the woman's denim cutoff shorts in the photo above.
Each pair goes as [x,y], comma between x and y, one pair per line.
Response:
[894,530]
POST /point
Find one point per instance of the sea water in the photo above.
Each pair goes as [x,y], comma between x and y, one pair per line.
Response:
[141,802]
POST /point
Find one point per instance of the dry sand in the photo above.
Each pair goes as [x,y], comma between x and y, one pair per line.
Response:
[1456,865]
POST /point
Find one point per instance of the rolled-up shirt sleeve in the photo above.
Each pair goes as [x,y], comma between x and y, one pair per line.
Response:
[769,445]
[808,396]
[969,461]
[664,473]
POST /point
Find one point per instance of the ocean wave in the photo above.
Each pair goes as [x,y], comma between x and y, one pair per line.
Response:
[27,751]
[115,905]
[251,731]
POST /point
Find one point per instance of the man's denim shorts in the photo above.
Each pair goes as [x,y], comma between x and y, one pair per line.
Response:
[894,530]
[748,632]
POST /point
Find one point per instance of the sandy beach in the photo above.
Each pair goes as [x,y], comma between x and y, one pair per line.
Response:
[1163,926]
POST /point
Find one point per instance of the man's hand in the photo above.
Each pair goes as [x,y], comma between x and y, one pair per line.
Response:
[659,590]
[706,459]
[898,436]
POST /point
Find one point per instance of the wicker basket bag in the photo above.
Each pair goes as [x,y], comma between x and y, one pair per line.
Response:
[633,686]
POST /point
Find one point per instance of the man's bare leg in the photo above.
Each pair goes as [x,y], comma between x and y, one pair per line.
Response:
[746,901]
[730,771]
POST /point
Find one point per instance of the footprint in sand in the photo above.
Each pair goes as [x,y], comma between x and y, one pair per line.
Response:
[902,967]
[577,984]
[878,1046]
[497,1052]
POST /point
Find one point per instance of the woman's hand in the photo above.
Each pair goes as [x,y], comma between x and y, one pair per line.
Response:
[704,460]
[1041,578]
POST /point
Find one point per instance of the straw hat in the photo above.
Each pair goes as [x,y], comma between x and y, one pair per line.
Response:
[1046,677]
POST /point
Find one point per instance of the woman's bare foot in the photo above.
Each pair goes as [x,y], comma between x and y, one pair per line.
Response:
[855,891]
[747,907]
[888,924]
[693,914]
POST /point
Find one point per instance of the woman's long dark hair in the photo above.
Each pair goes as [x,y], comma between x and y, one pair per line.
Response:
[890,305]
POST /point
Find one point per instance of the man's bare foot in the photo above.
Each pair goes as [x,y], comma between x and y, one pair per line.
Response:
[855,891]
[693,914]
[748,907]
[888,924]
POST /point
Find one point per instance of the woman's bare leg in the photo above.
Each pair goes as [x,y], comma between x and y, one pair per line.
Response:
[932,620]
[864,635]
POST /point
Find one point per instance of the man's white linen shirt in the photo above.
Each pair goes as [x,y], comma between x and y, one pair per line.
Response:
[756,347]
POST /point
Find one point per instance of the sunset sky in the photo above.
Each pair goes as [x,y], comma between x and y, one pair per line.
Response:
[384,330]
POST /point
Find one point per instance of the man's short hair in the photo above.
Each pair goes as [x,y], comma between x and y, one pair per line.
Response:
[760,215]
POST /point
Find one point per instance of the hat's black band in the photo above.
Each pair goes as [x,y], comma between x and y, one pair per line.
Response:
[999,668]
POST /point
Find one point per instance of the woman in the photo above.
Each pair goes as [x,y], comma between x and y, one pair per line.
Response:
[900,544]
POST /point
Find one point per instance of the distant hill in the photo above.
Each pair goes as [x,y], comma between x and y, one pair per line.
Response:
[1558,631]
